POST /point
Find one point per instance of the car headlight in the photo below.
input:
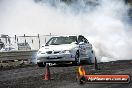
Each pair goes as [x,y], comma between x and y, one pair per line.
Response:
[40,52]
[66,51]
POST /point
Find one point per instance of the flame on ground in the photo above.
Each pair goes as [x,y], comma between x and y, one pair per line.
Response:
[81,71]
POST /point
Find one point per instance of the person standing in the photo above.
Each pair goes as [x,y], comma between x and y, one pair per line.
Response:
[1,44]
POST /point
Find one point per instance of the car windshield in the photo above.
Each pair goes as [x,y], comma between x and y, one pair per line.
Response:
[61,40]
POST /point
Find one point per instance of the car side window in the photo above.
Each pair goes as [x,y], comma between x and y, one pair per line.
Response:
[82,39]
[85,40]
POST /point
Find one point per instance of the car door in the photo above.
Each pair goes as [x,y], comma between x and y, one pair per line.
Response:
[82,46]
[88,48]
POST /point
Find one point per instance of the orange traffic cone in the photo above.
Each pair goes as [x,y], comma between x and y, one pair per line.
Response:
[95,64]
[47,73]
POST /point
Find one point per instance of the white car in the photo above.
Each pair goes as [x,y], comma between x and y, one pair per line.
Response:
[63,49]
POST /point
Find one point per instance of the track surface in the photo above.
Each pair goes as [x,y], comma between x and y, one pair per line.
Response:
[64,76]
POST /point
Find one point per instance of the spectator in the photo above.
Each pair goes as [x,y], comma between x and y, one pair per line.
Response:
[1,44]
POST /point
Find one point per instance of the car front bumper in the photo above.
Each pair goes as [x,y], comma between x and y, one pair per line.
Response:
[56,58]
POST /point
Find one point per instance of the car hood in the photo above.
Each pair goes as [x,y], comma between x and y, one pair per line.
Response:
[58,47]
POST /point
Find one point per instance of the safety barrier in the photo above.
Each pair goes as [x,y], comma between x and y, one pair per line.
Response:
[18,55]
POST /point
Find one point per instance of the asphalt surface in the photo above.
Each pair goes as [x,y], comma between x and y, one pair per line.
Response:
[63,76]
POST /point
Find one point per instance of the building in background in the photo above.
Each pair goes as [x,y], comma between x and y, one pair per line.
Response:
[23,46]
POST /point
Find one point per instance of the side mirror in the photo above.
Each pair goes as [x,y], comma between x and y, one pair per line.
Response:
[81,43]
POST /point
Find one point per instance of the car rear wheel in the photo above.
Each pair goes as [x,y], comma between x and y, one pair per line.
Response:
[87,61]
[41,64]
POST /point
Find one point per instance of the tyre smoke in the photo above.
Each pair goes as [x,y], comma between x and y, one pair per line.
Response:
[104,22]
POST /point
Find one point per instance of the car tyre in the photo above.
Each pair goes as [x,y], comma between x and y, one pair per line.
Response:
[88,61]
[77,59]
[41,64]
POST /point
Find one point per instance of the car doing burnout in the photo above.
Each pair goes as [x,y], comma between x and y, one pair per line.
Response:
[63,49]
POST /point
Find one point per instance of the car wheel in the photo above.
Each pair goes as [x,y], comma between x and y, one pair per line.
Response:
[41,64]
[88,61]
[77,59]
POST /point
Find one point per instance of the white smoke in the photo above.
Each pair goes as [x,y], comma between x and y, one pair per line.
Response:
[103,23]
